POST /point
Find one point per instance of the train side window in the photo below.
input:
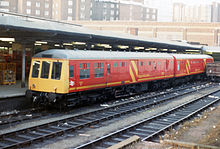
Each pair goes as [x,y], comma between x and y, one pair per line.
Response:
[84,72]
[35,69]
[56,71]
[155,65]
[99,70]
[178,66]
[71,71]
[165,66]
[123,64]
[45,69]
[115,64]
[108,69]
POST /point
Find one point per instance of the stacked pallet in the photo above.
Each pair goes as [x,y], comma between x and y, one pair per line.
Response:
[7,73]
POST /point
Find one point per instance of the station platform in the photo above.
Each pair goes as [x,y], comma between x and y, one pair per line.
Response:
[10,91]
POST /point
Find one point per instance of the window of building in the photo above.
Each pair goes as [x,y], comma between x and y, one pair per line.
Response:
[82,16]
[69,18]
[37,12]
[4,10]
[112,5]
[4,3]
[112,12]
[46,13]
[28,3]
[83,8]
[82,1]
[99,70]
[71,71]
[153,17]
[148,10]
[35,69]
[46,5]
[70,3]
[28,11]
[45,69]
[56,70]
[37,4]
[104,11]
[70,10]
[147,16]
[84,71]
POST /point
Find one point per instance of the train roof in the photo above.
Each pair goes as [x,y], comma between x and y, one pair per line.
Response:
[84,54]
[191,56]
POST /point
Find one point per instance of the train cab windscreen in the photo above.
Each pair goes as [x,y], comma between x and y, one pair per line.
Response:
[45,69]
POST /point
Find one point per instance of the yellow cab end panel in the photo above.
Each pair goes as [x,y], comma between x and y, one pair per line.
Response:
[50,85]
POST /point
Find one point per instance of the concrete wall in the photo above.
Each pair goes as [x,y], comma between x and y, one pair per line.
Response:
[205,33]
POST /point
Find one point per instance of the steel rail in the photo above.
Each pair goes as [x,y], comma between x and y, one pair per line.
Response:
[151,128]
[18,116]
[59,127]
[29,114]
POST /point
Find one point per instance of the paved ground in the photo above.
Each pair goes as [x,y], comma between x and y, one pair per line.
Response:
[12,90]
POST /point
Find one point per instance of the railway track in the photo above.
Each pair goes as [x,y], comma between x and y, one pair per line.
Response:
[150,129]
[59,127]
[15,117]
[18,116]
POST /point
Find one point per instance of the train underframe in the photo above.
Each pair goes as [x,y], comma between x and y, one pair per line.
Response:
[73,99]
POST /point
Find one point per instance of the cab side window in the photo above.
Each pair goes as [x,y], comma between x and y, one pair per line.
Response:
[56,70]
[35,69]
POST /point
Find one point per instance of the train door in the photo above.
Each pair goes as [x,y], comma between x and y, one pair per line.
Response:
[108,73]
[72,76]
[166,68]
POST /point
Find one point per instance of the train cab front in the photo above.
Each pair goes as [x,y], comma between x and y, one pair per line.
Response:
[47,81]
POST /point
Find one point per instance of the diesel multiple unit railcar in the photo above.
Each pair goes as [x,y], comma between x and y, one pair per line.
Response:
[67,77]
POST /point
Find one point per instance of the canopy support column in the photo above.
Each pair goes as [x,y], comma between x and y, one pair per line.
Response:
[23,66]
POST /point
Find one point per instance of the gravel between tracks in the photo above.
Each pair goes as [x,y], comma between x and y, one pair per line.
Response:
[85,135]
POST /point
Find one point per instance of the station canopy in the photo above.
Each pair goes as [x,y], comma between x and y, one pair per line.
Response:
[27,29]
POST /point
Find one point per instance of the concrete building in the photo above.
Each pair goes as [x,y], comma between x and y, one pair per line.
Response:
[204,33]
[215,12]
[104,10]
[136,10]
[39,8]
[9,5]
[194,13]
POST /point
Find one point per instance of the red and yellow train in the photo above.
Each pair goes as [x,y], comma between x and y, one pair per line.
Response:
[71,76]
